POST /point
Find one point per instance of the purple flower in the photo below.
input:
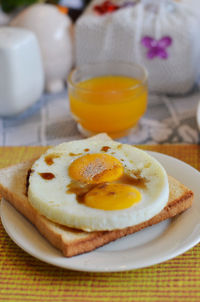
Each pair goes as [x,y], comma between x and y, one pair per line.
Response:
[156,48]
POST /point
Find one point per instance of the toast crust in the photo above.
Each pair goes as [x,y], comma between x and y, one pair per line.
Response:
[70,241]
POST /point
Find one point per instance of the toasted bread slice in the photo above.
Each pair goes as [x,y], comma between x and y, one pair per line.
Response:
[70,241]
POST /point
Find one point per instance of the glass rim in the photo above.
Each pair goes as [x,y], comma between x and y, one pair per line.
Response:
[142,82]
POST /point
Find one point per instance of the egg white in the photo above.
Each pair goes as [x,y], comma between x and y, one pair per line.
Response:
[51,199]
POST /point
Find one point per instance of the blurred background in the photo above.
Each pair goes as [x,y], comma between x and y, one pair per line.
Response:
[75,6]
[61,35]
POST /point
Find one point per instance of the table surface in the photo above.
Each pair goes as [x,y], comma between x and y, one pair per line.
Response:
[24,278]
[167,120]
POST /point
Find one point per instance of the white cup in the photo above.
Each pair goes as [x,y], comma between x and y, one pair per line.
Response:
[21,70]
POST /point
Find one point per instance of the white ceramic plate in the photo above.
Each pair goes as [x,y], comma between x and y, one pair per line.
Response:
[150,246]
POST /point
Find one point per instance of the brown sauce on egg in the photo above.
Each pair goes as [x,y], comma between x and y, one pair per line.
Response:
[47,175]
[49,159]
[82,189]
[134,179]
[87,150]
[79,189]
[74,154]
[105,148]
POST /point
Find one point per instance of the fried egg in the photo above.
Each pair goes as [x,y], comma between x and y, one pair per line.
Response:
[97,185]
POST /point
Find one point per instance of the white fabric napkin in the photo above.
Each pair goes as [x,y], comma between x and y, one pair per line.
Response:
[162,35]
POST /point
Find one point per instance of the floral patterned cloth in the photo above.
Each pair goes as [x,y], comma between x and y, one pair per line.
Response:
[167,120]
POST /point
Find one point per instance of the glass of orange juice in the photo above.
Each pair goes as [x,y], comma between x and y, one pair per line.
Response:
[108,97]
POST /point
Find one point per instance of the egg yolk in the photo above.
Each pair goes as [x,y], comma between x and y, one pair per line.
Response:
[96,168]
[112,197]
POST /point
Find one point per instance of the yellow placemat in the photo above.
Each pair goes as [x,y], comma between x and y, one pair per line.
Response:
[24,278]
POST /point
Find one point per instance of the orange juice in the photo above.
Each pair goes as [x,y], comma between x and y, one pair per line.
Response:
[111,104]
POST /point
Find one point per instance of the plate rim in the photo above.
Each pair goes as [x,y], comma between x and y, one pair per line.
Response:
[101,269]
[198,115]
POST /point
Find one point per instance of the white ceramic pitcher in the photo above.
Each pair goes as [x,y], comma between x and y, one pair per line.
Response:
[21,70]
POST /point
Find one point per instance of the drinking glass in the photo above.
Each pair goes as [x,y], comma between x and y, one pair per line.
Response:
[108,97]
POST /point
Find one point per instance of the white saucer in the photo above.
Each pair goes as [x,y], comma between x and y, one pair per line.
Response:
[150,246]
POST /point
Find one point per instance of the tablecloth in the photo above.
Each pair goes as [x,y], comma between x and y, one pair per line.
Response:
[168,119]
[24,278]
